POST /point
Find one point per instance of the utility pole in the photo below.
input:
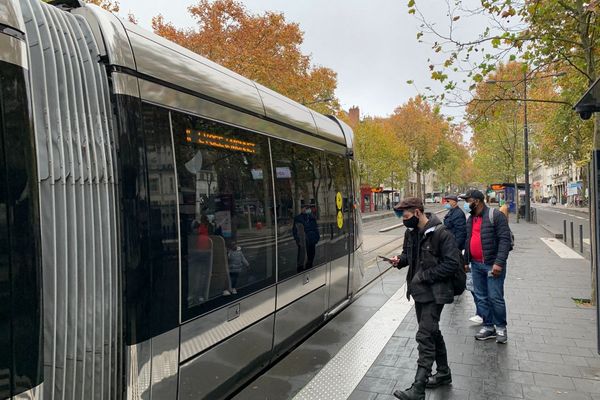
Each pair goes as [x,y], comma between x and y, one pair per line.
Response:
[526,150]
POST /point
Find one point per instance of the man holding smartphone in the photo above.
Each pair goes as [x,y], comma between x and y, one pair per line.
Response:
[486,249]
[433,259]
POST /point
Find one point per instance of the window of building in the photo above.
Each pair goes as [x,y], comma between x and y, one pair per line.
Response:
[226,213]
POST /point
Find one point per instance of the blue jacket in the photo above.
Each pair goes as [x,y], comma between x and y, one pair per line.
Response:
[495,238]
[456,222]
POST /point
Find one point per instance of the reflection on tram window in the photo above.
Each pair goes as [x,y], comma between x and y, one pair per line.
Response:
[300,187]
[163,251]
[338,206]
[226,213]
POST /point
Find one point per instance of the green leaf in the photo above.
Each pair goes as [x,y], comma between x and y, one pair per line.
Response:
[512,57]
[411,11]
[411,3]
[410,81]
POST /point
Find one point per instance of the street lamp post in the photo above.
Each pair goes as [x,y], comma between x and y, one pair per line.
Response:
[526,140]
[526,151]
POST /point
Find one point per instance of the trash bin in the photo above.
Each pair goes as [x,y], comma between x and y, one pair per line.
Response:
[522,211]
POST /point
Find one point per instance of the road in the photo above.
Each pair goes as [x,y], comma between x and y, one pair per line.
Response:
[554,217]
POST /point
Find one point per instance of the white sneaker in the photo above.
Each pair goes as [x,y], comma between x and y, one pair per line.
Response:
[476,319]
[226,292]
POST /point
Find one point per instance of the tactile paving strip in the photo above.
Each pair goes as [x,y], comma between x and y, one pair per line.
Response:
[340,376]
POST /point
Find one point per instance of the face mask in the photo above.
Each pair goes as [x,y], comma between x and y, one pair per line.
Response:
[238,248]
[412,222]
[447,206]
[399,213]
[308,211]
[467,207]
[472,208]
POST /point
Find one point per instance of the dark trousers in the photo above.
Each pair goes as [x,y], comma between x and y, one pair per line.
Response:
[430,341]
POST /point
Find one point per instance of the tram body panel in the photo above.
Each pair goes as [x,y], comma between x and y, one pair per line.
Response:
[126,175]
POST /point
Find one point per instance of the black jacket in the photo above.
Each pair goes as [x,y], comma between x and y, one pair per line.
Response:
[431,269]
[456,222]
[495,238]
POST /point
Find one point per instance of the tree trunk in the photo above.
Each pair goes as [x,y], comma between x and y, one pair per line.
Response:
[419,186]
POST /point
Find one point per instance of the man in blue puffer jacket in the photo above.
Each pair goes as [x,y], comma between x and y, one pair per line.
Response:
[487,247]
[455,221]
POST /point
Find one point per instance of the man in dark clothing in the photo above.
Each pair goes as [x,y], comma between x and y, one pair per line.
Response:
[455,221]
[433,258]
[487,246]
[306,234]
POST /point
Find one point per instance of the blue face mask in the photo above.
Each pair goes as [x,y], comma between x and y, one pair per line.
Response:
[447,206]
[399,213]
[308,211]
[466,207]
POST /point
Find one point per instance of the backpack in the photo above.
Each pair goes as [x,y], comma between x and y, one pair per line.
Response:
[459,279]
[491,217]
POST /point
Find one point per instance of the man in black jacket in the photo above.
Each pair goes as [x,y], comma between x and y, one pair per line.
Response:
[487,247]
[430,251]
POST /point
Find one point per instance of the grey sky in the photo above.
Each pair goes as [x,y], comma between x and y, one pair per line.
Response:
[370,44]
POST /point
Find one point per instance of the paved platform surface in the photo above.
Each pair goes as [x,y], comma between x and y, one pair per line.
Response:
[551,353]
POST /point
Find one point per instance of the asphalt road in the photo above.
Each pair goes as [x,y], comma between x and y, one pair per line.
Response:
[553,217]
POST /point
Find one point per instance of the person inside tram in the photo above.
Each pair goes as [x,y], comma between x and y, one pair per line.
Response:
[306,234]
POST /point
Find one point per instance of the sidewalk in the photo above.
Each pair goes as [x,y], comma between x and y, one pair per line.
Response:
[551,353]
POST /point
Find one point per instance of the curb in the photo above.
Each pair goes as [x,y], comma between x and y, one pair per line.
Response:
[368,218]
[553,233]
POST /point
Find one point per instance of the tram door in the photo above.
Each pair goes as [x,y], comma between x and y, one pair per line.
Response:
[339,220]
[20,327]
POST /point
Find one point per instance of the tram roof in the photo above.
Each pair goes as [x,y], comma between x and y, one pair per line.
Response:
[135,49]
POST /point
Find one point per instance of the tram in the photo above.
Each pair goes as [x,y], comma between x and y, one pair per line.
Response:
[168,228]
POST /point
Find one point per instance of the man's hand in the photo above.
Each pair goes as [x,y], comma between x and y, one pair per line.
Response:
[394,261]
[496,271]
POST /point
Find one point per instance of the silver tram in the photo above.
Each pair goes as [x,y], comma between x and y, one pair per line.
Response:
[168,228]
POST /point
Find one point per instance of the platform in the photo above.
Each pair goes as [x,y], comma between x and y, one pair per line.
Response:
[551,353]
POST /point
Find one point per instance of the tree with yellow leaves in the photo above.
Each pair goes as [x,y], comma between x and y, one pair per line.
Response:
[421,128]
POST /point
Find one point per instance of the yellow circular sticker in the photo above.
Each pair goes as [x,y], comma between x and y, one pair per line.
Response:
[338,200]
[340,219]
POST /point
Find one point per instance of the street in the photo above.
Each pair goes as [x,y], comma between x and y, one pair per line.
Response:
[553,218]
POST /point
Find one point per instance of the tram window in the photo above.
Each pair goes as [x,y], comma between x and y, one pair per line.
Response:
[163,244]
[338,206]
[300,187]
[226,213]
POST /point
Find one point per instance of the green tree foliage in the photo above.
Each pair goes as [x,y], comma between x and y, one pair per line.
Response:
[549,35]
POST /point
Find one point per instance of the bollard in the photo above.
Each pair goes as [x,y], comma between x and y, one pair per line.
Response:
[572,238]
[581,238]
[565,230]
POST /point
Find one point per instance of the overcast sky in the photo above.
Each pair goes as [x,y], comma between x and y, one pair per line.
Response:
[370,44]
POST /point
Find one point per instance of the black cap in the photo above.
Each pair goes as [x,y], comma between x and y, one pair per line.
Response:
[451,197]
[473,194]
[410,203]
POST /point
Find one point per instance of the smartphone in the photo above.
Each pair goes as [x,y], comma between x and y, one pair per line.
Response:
[385,258]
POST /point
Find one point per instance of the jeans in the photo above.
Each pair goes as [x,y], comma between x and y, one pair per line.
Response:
[430,341]
[489,295]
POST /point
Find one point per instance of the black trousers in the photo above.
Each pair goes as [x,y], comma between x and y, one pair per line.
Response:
[430,341]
